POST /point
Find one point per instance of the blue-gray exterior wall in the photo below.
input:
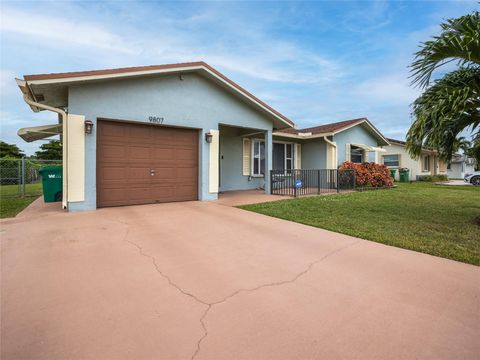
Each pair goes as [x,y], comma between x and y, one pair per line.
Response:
[193,102]
[314,154]
[355,135]
[231,163]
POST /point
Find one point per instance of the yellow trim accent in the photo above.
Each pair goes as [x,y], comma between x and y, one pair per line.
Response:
[246,157]
[76,158]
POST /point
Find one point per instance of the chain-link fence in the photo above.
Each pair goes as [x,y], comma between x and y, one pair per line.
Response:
[21,177]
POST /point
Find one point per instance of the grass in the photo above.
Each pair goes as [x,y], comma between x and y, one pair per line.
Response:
[11,203]
[437,220]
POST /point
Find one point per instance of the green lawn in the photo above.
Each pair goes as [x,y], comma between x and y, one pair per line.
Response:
[437,220]
[11,203]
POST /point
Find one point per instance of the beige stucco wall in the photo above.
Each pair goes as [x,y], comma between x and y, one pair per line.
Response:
[415,165]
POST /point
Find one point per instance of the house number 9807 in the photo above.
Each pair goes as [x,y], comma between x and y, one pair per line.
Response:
[156,119]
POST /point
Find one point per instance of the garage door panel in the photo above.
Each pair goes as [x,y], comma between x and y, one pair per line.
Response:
[185,154]
[163,192]
[162,153]
[186,173]
[140,133]
[113,173]
[164,173]
[113,130]
[139,153]
[110,151]
[136,173]
[185,191]
[126,154]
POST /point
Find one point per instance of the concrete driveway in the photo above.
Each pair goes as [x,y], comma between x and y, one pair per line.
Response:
[208,281]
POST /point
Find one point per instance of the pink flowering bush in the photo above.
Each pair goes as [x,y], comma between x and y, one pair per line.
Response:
[369,174]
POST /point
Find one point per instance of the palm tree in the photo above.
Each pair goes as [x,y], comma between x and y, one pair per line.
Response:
[451,104]
[463,144]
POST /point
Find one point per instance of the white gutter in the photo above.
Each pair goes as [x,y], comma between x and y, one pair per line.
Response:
[64,140]
[334,144]
[306,136]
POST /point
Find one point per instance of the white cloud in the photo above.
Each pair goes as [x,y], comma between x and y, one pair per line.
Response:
[389,89]
[45,29]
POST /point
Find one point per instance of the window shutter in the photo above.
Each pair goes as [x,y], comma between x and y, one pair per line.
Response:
[347,153]
[246,157]
[298,156]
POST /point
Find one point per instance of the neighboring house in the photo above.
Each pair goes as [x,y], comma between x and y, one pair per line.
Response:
[177,132]
[428,164]
[459,166]
[327,146]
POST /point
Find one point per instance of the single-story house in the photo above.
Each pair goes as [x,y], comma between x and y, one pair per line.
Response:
[177,132]
[428,164]
[329,145]
[459,166]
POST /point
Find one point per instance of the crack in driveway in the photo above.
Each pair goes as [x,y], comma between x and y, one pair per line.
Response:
[210,305]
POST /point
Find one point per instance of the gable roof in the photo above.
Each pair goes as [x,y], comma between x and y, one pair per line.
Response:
[404,144]
[30,82]
[326,128]
[332,129]
[397,141]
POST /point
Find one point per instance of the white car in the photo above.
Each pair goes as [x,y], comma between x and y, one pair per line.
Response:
[473,178]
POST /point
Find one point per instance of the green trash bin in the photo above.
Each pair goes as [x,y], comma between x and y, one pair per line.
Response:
[52,183]
[404,175]
[392,173]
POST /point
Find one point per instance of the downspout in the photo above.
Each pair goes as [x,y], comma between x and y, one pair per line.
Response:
[63,114]
[328,141]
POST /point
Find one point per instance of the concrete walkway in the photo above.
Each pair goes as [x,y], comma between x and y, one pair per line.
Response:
[208,281]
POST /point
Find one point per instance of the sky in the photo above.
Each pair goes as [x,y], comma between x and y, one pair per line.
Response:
[315,62]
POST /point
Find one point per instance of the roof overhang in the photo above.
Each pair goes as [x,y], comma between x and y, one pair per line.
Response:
[34,133]
[53,88]
[369,148]
[381,140]
[302,136]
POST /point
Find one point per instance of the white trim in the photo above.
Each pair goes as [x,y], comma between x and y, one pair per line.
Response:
[285,158]
[296,136]
[252,165]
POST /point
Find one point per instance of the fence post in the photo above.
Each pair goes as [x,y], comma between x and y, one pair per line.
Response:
[23,176]
[354,180]
[318,182]
[294,183]
[271,182]
[338,180]
[19,177]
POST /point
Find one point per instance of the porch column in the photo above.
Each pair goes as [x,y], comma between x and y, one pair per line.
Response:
[268,159]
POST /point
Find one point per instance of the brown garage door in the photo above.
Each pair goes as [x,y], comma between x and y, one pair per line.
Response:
[143,164]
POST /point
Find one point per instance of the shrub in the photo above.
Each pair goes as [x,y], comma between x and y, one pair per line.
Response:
[369,174]
[433,178]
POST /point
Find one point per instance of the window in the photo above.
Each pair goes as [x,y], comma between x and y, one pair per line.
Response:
[391,160]
[449,166]
[283,156]
[258,158]
[356,154]
[426,163]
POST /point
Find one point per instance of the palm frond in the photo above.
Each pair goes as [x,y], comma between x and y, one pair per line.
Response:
[459,41]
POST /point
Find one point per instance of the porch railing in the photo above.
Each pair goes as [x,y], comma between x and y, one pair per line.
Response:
[311,182]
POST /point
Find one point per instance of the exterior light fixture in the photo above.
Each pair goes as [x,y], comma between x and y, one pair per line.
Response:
[88,126]
[208,137]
